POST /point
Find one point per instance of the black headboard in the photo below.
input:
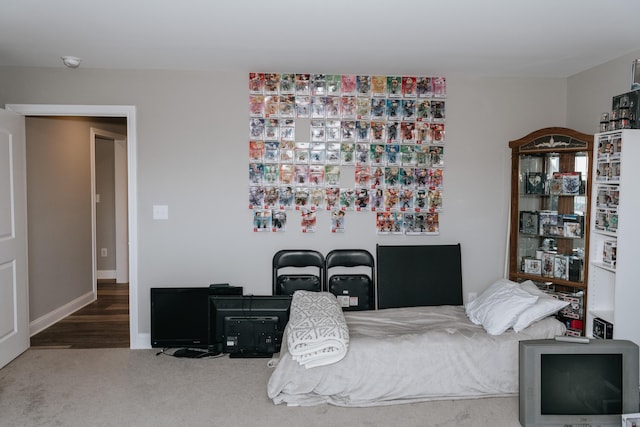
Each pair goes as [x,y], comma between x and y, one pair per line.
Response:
[409,276]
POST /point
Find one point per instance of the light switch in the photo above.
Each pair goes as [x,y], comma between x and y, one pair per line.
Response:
[160,212]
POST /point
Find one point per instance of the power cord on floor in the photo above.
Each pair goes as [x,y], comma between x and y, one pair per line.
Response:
[190,353]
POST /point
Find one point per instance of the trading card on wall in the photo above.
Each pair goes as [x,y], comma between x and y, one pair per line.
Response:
[378,131]
[384,222]
[362,153]
[287,84]
[438,110]
[332,174]
[377,176]
[278,221]
[316,198]
[409,86]
[408,155]
[433,223]
[303,104]
[376,200]
[271,197]
[348,130]
[423,133]
[439,86]
[377,154]
[337,221]
[287,129]
[423,87]
[347,199]
[408,109]
[256,105]
[256,151]
[393,108]
[318,84]
[262,220]
[317,131]
[379,86]
[301,198]
[437,133]
[332,130]
[256,128]
[394,86]
[334,82]
[363,85]
[287,174]
[287,194]
[362,130]
[393,132]
[362,199]
[333,153]
[420,201]
[436,156]
[434,200]
[318,153]
[256,196]
[271,151]
[392,154]
[256,83]
[410,226]
[302,84]
[286,151]
[348,107]
[271,106]
[406,176]
[271,171]
[363,108]
[271,129]
[408,132]
[287,106]
[256,173]
[271,83]
[308,220]
[301,153]
[331,197]
[302,174]
[362,175]
[347,153]
[436,177]
[406,199]
[391,198]
[317,107]
[421,177]
[379,109]
[332,107]
[348,84]
[423,110]
[316,175]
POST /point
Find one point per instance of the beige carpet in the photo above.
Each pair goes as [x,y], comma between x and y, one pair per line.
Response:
[121,387]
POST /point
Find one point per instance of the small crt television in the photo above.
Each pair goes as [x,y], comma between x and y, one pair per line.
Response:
[577,384]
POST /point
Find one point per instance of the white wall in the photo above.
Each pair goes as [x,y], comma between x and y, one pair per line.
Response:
[193,155]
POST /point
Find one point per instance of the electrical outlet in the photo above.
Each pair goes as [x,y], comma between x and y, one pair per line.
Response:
[103,252]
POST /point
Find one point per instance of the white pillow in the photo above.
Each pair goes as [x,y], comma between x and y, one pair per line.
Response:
[545,306]
[498,307]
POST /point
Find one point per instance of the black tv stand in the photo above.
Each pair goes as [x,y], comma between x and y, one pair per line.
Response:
[250,355]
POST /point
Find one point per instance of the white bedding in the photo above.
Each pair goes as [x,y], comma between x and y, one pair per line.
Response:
[403,355]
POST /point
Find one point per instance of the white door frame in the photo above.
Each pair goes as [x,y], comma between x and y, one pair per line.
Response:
[129,112]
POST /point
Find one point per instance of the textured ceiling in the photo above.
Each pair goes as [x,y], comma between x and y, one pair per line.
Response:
[501,38]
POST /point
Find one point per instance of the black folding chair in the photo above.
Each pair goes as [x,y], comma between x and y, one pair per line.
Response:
[349,276]
[297,269]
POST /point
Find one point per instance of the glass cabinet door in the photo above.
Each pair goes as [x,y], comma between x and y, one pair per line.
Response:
[552,201]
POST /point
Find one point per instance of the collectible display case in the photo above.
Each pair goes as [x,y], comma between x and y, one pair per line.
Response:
[550,211]
[613,291]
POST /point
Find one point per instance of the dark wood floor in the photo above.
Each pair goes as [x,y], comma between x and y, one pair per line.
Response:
[102,324]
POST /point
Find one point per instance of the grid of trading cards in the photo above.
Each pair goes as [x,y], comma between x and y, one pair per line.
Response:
[307,130]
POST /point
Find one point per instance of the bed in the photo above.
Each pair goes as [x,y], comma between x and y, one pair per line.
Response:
[404,355]
[436,349]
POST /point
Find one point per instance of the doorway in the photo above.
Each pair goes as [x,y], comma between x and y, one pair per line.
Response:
[128,113]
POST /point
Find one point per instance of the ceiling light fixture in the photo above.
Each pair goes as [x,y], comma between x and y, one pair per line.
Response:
[71,61]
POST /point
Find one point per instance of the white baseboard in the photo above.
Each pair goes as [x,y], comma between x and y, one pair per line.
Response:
[106,274]
[60,313]
[142,341]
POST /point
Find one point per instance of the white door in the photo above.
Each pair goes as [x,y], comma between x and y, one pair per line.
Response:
[14,301]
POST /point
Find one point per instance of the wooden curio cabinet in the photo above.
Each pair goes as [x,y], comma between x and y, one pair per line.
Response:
[550,211]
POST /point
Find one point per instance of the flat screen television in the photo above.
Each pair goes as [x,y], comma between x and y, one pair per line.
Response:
[249,325]
[180,315]
[566,383]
